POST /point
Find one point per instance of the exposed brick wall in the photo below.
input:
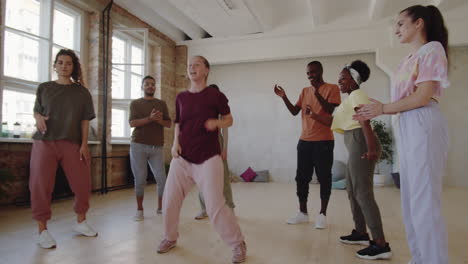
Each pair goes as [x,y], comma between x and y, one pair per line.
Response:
[182,81]
[16,157]
[119,173]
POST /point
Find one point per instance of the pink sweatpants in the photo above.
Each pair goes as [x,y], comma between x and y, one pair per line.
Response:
[45,157]
[209,178]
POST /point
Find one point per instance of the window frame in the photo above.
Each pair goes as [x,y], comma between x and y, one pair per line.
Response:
[126,126]
[128,36]
[46,41]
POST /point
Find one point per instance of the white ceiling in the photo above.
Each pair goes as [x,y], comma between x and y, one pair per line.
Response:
[199,19]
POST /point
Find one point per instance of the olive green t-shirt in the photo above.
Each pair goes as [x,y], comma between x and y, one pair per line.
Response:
[152,133]
[66,105]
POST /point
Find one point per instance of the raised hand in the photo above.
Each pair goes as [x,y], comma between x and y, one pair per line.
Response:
[158,116]
[152,115]
[279,91]
[308,110]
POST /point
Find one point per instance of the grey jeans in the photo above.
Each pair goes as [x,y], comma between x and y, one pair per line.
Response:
[142,154]
[360,185]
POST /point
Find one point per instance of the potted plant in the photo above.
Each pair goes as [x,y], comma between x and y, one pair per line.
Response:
[386,141]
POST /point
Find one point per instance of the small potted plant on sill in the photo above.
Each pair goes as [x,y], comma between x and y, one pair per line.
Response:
[386,141]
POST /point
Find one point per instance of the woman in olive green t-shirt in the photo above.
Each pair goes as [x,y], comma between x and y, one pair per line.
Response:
[62,111]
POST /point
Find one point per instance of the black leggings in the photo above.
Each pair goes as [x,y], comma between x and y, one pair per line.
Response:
[312,155]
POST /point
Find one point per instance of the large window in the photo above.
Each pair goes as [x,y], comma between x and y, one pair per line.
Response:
[128,69]
[34,32]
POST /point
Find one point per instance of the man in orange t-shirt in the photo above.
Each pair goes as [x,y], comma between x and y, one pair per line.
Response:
[315,147]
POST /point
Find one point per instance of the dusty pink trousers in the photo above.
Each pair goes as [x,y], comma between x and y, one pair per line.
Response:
[45,158]
[210,180]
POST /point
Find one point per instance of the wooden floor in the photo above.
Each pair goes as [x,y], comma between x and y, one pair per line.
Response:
[262,209]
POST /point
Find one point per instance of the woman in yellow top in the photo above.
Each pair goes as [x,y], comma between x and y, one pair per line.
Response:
[364,151]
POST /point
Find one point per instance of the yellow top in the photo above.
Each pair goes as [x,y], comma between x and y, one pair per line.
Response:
[343,116]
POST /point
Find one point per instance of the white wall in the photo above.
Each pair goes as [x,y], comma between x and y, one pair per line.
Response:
[455,108]
[265,134]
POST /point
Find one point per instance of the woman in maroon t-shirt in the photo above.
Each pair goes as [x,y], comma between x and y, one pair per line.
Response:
[196,160]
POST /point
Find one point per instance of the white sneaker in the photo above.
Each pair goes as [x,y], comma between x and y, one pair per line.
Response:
[84,229]
[299,218]
[320,221]
[45,240]
[138,216]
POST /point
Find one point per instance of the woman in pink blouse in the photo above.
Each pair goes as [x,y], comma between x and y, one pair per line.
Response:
[423,145]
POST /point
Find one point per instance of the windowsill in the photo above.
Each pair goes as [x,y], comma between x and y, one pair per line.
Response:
[120,141]
[30,140]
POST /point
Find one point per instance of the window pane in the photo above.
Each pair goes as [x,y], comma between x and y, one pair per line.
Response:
[21,56]
[64,29]
[137,55]
[136,86]
[55,50]
[118,123]
[118,83]
[18,107]
[23,15]
[118,50]
[137,69]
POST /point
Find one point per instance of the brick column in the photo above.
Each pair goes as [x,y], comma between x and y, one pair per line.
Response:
[95,78]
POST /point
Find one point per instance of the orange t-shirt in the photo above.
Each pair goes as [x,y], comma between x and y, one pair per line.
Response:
[313,130]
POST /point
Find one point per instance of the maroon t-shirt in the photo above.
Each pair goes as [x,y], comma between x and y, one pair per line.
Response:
[192,111]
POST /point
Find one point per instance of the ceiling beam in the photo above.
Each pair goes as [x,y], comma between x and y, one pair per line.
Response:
[317,11]
[263,22]
[177,18]
[376,9]
[146,14]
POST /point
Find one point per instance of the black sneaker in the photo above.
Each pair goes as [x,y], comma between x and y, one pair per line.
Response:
[373,251]
[355,239]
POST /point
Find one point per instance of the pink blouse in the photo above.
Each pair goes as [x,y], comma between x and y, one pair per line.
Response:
[429,63]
